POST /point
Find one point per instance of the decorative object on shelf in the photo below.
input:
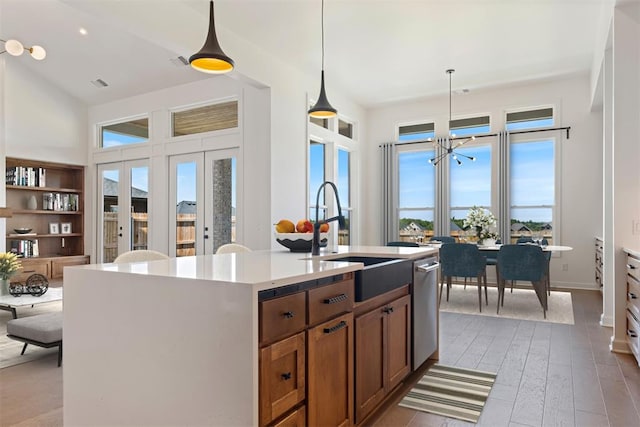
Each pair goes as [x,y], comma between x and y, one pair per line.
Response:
[322,109]
[9,265]
[451,143]
[210,58]
[22,230]
[15,48]
[36,285]
[300,242]
[481,219]
[32,203]
[65,228]
[54,228]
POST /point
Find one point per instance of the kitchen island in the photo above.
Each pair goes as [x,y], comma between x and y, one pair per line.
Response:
[179,341]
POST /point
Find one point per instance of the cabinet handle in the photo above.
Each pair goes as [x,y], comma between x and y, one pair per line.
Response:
[632,333]
[286,376]
[631,267]
[631,295]
[337,327]
[388,310]
[288,314]
[336,299]
[28,271]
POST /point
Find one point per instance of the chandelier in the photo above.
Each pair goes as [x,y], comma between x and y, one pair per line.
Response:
[451,144]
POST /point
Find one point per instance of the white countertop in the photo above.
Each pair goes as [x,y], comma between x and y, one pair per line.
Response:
[261,269]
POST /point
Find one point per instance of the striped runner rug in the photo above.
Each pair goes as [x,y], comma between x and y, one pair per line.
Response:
[451,392]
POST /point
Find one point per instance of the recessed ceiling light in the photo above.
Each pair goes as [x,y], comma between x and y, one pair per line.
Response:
[83,31]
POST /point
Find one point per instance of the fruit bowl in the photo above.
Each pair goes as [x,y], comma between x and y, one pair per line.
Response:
[300,242]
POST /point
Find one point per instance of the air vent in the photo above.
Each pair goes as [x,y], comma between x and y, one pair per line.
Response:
[99,83]
[180,61]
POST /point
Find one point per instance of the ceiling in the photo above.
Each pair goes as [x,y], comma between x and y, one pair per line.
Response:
[376,51]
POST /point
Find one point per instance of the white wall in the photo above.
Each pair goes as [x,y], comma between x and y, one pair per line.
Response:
[42,122]
[580,170]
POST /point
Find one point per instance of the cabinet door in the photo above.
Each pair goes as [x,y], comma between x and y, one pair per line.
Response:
[58,264]
[370,330]
[330,373]
[297,418]
[399,340]
[32,266]
[282,377]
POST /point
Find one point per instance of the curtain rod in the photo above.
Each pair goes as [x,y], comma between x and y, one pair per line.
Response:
[567,128]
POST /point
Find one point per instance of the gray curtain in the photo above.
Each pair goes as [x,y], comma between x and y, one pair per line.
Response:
[441,221]
[389,212]
[504,211]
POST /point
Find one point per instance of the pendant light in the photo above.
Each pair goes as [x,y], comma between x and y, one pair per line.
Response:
[211,59]
[322,109]
[15,48]
[451,146]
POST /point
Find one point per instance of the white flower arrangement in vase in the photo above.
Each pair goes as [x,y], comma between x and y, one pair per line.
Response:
[481,219]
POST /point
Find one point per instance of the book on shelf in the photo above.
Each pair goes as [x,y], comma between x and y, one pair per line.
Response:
[25,248]
[26,176]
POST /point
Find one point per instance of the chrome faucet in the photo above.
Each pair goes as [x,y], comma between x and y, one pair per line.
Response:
[315,243]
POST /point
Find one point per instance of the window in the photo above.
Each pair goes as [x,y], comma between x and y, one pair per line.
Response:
[132,132]
[320,122]
[469,126]
[416,194]
[530,119]
[417,132]
[343,183]
[205,119]
[532,182]
[316,178]
[470,183]
[345,128]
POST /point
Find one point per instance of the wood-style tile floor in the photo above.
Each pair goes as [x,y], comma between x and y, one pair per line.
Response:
[548,375]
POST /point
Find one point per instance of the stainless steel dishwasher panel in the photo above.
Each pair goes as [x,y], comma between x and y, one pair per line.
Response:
[425,309]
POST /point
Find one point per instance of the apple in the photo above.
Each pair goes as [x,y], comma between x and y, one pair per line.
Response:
[304,226]
[324,227]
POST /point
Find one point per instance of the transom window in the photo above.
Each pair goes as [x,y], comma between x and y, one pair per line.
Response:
[469,126]
[134,131]
[417,132]
[542,117]
[205,119]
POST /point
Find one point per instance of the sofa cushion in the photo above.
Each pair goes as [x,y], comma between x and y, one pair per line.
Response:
[44,328]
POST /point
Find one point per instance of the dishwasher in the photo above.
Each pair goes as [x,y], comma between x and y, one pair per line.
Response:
[425,309]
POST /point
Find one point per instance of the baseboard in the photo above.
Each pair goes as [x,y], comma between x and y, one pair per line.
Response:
[619,346]
[606,321]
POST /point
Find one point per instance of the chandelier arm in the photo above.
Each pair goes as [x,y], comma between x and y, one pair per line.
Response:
[464,155]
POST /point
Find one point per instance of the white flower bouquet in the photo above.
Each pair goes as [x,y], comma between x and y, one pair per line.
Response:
[480,219]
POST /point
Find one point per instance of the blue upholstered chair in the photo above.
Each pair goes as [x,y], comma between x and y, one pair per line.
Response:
[443,239]
[463,260]
[523,262]
[406,244]
[547,255]
[524,240]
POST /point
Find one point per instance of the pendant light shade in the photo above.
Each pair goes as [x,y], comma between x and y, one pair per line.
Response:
[211,59]
[322,109]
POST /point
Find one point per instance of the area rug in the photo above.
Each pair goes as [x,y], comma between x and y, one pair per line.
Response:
[451,392]
[10,349]
[522,304]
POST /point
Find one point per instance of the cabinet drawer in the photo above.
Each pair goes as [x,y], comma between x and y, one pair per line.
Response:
[281,317]
[633,267]
[58,264]
[633,296]
[297,418]
[633,330]
[31,266]
[282,377]
[331,300]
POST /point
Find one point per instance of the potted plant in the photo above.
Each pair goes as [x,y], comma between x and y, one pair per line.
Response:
[9,265]
[481,220]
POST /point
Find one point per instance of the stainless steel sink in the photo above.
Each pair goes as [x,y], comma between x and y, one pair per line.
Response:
[379,275]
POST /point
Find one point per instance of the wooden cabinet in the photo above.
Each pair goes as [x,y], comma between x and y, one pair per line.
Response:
[598,261]
[330,368]
[383,349]
[47,198]
[633,304]
[306,355]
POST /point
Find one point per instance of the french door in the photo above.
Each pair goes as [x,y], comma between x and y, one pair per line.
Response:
[203,194]
[124,208]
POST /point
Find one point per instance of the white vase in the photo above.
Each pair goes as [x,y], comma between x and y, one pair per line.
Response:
[489,242]
[4,287]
